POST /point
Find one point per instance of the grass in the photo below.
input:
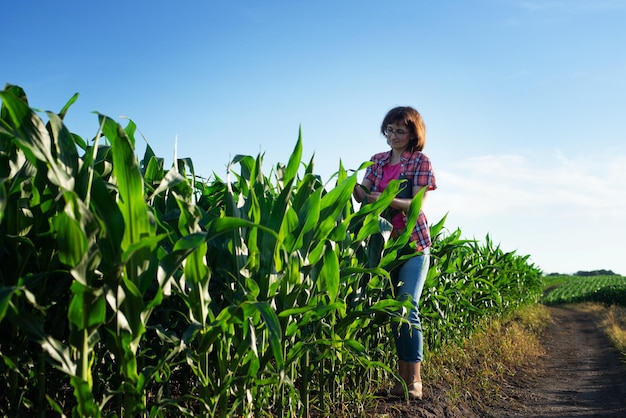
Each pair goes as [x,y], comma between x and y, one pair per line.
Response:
[615,326]
[474,372]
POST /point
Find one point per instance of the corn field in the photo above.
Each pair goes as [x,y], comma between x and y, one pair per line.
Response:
[608,290]
[128,289]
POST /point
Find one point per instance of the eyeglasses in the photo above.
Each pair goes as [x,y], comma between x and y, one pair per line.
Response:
[399,132]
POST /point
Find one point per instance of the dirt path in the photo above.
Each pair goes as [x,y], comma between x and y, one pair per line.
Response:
[581,375]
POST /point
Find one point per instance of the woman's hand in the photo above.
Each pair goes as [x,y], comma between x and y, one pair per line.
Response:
[359,194]
[361,191]
[373,196]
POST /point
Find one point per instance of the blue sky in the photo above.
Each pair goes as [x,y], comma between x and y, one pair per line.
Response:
[524,101]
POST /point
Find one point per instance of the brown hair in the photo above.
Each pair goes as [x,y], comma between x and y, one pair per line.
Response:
[410,117]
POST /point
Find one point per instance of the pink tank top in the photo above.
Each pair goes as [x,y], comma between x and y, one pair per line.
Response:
[392,172]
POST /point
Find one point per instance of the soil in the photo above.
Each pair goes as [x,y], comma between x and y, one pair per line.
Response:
[581,375]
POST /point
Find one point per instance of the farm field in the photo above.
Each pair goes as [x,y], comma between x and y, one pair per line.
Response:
[610,289]
[128,289]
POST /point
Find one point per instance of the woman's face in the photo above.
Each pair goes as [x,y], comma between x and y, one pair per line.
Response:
[398,136]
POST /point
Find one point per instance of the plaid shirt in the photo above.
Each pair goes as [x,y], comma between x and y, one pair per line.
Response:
[418,171]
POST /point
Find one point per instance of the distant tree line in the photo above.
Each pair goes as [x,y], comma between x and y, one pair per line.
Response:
[588,273]
[596,273]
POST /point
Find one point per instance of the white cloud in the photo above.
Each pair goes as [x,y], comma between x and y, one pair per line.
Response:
[554,207]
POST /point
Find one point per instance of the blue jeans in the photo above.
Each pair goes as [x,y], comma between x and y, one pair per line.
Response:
[410,281]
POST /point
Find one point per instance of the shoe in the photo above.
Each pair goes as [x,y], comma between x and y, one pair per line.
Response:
[409,372]
[415,390]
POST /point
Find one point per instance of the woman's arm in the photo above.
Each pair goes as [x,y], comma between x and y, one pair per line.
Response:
[358,193]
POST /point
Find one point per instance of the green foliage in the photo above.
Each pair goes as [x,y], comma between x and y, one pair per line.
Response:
[469,281]
[608,290]
[127,289]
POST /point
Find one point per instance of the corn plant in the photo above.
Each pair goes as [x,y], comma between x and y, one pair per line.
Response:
[298,282]
[130,290]
[470,281]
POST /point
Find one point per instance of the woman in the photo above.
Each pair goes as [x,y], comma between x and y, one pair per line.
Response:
[406,135]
